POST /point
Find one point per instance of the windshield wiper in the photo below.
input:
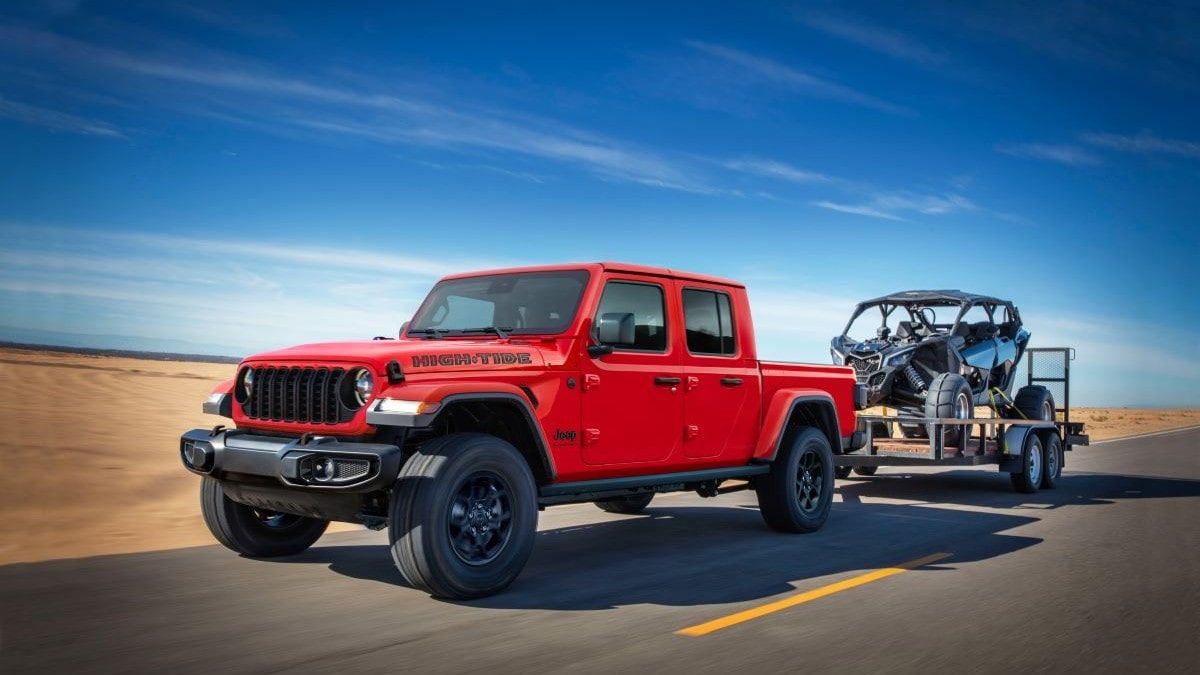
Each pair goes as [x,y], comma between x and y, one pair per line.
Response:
[500,331]
[429,333]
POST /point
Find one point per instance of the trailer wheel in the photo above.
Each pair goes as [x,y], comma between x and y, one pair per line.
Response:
[950,397]
[1029,478]
[1053,454]
[463,516]
[866,470]
[842,472]
[796,495]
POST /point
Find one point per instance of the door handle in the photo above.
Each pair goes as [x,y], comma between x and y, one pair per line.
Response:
[731,381]
[667,381]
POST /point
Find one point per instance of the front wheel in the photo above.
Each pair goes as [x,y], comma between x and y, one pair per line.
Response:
[796,495]
[252,532]
[463,516]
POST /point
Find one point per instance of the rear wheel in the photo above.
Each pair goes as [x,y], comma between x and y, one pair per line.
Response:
[1029,478]
[842,471]
[1034,402]
[629,504]
[950,397]
[796,495]
[866,470]
[1052,456]
[463,516]
[252,532]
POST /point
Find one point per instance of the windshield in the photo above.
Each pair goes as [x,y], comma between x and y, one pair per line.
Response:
[522,303]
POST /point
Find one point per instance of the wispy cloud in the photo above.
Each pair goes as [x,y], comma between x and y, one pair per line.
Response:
[56,120]
[1071,155]
[876,38]
[764,71]
[1144,142]
[895,205]
[775,169]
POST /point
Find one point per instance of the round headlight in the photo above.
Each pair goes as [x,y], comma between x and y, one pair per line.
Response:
[247,383]
[364,385]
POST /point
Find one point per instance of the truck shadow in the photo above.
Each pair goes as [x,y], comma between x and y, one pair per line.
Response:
[679,556]
[700,555]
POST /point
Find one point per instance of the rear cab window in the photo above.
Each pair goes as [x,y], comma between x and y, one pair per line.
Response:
[708,319]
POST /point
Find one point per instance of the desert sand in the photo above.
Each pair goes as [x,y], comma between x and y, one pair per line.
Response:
[90,448]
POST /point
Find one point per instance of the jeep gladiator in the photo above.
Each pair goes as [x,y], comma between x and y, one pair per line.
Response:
[509,391]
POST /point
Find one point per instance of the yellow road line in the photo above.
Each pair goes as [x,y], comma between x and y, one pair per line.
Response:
[807,596]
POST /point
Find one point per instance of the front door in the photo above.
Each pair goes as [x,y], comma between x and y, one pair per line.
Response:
[633,396]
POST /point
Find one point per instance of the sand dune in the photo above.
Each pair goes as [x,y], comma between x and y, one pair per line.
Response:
[89,444]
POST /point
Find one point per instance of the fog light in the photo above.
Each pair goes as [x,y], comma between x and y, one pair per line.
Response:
[324,470]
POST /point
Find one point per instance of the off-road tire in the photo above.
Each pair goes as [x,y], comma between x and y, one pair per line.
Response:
[434,482]
[1033,463]
[629,504]
[785,499]
[1034,402]
[1052,454]
[253,532]
[842,472]
[866,470]
[950,396]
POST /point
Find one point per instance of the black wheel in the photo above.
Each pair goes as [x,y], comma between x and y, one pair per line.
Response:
[1034,403]
[629,504]
[950,397]
[463,516]
[1029,478]
[1052,460]
[255,532]
[842,472]
[866,470]
[795,496]
[913,430]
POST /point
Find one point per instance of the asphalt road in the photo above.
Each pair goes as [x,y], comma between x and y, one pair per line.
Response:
[1102,574]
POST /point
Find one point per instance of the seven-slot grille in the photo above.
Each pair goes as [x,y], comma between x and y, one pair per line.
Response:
[295,394]
[863,366]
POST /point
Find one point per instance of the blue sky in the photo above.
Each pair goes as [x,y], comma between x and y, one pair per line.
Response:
[228,177]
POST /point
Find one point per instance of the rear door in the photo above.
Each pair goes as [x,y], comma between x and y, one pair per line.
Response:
[721,387]
[633,397]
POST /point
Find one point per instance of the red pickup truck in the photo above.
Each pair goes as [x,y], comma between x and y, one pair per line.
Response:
[511,390]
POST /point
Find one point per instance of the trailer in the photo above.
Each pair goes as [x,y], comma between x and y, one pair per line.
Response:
[1031,451]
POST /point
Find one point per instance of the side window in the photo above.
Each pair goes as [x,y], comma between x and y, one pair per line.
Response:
[632,316]
[709,322]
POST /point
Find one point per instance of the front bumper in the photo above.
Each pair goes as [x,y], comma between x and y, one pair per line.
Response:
[319,463]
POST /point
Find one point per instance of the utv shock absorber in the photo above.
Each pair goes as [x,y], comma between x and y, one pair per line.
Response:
[914,379]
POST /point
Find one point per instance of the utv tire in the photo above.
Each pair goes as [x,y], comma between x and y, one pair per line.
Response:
[842,472]
[629,504]
[1052,455]
[463,516]
[950,396]
[255,533]
[866,470]
[796,495]
[1033,459]
[1034,403]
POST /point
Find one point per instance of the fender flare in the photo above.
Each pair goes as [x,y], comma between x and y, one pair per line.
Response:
[780,411]
[517,397]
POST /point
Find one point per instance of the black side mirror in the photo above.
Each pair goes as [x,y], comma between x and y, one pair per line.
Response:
[596,351]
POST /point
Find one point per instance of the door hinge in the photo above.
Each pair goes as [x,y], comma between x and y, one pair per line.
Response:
[590,382]
[691,431]
[591,436]
[692,383]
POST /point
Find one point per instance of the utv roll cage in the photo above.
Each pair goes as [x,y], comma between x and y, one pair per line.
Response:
[914,301]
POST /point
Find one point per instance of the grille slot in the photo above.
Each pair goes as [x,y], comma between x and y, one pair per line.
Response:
[864,366]
[295,394]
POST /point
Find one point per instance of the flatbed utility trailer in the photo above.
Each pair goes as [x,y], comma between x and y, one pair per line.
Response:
[1030,450]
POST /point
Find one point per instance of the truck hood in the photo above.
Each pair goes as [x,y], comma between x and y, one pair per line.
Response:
[417,356]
